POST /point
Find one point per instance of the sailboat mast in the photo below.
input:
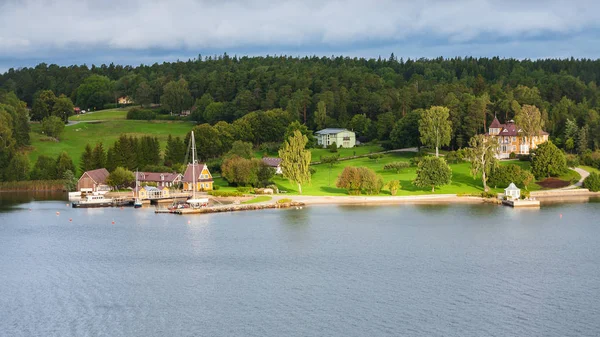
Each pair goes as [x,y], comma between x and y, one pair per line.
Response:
[193,166]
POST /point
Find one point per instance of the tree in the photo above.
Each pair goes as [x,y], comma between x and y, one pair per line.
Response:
[321,115]
[43,105]
[406,131]
[376,157]
[592,182]
[121,177]
[143,94]
[70,180]
[350,180]
[503,175]
[86,162]
[394,186]
[264,173]
[200,106]
[296,125]
[175,151]
[360,124]
[241,149]
[239,171]
[548,161]
[482,155]
[63,108]
[53,126]
[44,169]
[529,119]
[176,97]
[330,161]
[98,157]
[295,160]
[18,168]
[385,125]
[432,172]
[64,163]
[435,127]
[396,166]
[213,112]
[583,139]
[94,92]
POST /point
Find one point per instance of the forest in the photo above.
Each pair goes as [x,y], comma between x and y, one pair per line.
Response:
[380,99]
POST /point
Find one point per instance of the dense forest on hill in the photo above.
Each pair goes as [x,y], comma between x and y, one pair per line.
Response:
[254,99]
[385,90]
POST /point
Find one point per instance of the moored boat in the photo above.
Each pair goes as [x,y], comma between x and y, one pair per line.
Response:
[90,201]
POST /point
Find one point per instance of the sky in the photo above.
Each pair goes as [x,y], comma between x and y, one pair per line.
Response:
[132,32]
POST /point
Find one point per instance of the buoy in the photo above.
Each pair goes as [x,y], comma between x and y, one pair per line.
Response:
[189,222]
[67,205]
[57,213]
[70,219]
[121,207]
[560,215]
[113,222]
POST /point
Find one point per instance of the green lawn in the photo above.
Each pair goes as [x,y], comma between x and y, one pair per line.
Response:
[260,198]
[103,115]
[589,169]
[75,137]
[316,153]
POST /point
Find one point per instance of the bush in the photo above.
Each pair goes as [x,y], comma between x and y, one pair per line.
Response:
[592,182]
[376,156]
[548,161]
[216,187]
[226,193]
[525,194]
[312,170]
[269,147]
[332,147]
[53,126]
[244,189]
[455,156]
[110,106]
[572,160]
[273,187]
[488,195]
[360,179]
[284,201]
[591,159]
[394,186]
[524,157]
[170,117]
[503,175]
[512,155]
[140,114]
[414,161]
[396,166]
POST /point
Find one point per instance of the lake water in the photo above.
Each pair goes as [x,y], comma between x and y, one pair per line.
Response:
[460,270]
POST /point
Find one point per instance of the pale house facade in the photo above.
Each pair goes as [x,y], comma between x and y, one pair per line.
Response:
[511,139]
[341,137]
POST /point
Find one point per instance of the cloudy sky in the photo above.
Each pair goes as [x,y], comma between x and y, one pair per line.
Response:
[146,31]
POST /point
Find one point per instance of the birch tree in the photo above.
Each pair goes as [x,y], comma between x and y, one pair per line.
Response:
[435,127]
[482,155]
[529,120]
[295,160]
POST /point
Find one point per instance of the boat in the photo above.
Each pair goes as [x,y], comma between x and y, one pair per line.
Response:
[138,202]
[90,201]
[194,202]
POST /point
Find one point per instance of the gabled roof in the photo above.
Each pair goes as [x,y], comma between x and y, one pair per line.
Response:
[156,176]
[495,124]
[99,176]
[512,187]
[188,177]
[271,161]
[330,131]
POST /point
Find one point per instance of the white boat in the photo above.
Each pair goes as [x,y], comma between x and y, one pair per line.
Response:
[137,203]
[193,201]
[90,201]
[198,202]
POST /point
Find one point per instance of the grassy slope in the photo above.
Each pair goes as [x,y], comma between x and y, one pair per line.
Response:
[75,137]
[344,153]
[589,169]
[105,115]
[260,198]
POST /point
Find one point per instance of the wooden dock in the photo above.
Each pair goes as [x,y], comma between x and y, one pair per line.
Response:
[521,203]
[229,208]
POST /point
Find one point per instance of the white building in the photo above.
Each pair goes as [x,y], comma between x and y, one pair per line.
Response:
[341,137]
[512,192]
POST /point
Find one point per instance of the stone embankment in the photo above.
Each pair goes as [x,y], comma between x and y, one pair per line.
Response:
[236,208]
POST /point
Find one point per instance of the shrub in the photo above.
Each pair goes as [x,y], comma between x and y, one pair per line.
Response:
[503,175]
[414,161]
[548,161]
[396,166]
[110,106]
[225,193]
[592,182]
[572,160]
[591,158]
[376,156]
[216,187]
[488,195]
[455,156]
[244,189]
[140,114]
[332,147]
[524,157]
[273,187]
[284,201]
[312,170]
[53,126]
[525,194]
[394,186]
[512,155]
[360,179]
[269,147]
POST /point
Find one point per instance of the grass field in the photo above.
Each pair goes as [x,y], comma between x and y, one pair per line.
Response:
[103,115]
[75,137]
[590,169]
[317,153]
[260,198]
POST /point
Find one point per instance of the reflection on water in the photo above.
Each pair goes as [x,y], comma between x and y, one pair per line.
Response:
[9,200]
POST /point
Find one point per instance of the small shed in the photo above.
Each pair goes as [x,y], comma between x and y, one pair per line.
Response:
[512,191]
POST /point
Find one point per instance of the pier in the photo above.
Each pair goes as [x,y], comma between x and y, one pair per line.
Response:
[229,208]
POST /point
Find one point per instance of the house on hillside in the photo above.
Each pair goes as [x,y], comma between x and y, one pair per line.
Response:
[94,180]
[341,137]
[274,163]
[76,110]
[204,180]
[123,100]
[511,138]
[161,179]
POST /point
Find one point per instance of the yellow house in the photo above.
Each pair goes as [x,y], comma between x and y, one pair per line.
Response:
[511,139]
[204,180]
[124,100]
[151,192]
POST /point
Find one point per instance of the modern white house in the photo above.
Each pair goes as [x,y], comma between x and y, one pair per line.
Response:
[341,137]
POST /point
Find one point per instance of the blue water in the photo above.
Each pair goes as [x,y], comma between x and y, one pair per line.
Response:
[320,271]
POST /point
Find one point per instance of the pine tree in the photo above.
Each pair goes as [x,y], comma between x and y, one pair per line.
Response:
[86,163]
[98,156]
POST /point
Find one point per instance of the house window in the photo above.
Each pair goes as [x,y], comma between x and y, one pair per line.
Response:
[514,148]
[514,139]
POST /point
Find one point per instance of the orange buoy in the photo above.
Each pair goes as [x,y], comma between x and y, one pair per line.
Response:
[560,215]
[70,219]
[189,222]
[57,213]
[67,205]
[113,222]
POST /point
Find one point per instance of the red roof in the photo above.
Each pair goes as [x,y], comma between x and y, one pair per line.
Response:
[98,176]
[187,176]
[156,176]
[495,124]
[509,129]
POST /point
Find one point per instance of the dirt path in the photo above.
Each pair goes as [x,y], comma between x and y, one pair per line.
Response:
[583,173]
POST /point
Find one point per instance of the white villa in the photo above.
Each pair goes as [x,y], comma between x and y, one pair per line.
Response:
[341,137]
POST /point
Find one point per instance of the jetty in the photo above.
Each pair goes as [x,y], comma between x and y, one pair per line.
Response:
[230,208]
[521,203]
